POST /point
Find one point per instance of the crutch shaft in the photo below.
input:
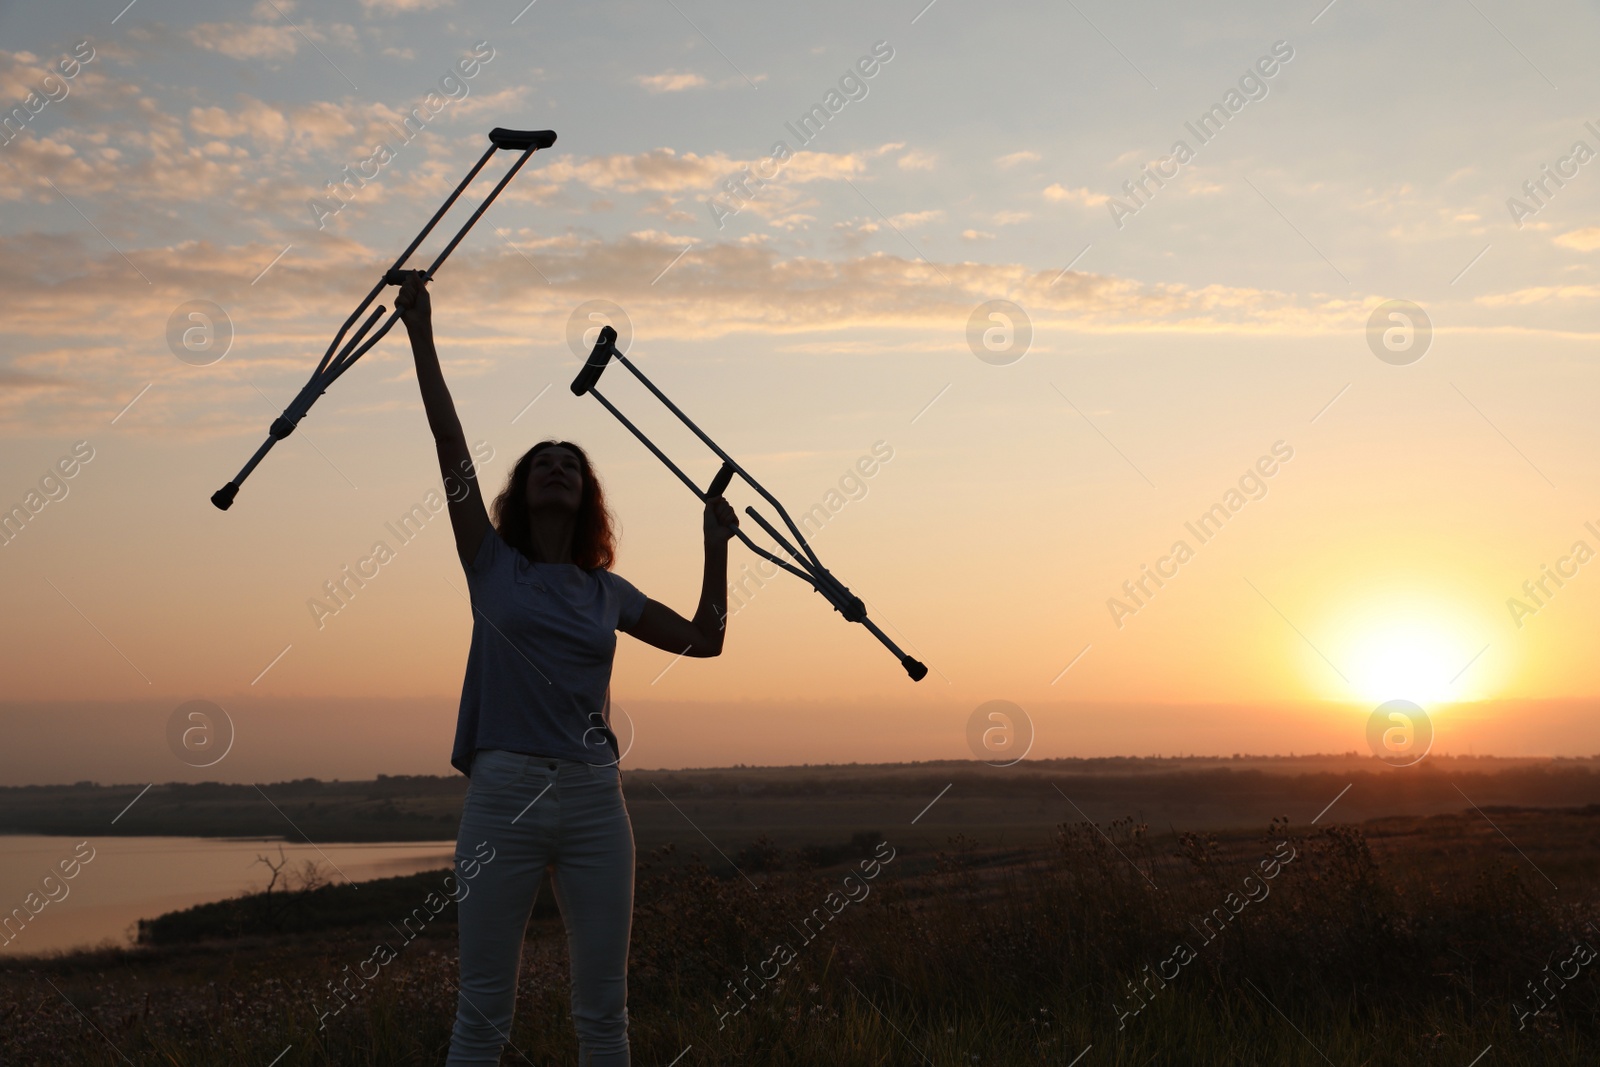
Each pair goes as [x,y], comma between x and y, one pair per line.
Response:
[341,353]
[651,445]
[757,486]
[810,570]
[412,247]
[821,579]
[359,334]
[282,427]
[476,215]
[374,339]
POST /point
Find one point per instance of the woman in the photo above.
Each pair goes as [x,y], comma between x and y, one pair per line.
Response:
[534,734]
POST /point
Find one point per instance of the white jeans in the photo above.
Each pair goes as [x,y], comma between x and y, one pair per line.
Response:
[538,811]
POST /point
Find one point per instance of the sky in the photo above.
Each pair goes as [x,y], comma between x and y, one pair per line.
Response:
[1321,272]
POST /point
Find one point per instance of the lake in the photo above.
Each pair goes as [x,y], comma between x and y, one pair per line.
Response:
[133,878]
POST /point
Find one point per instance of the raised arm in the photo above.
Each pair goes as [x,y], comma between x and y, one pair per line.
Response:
[701,636]
[468,516]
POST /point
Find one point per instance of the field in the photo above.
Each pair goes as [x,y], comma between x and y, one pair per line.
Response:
[1128,912]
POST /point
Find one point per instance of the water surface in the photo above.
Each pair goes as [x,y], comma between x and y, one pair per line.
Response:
[133,878]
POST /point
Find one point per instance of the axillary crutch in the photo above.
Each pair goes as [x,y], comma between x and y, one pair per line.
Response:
[333,365]
[809,569]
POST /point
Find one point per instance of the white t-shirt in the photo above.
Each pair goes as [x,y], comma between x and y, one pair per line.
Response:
[539,669]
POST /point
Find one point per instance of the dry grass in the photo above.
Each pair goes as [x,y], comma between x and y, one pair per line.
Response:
[1403,942]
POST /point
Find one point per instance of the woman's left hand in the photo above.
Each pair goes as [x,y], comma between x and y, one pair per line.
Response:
[720,520]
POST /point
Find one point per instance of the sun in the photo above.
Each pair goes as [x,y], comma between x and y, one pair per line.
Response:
[1424,653]
[1406,661]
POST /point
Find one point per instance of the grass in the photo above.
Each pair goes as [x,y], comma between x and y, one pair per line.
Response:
[1401,941]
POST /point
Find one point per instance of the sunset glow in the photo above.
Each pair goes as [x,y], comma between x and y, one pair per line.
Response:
[1295,413]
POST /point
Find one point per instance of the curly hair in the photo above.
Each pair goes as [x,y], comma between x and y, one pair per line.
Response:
[594,542]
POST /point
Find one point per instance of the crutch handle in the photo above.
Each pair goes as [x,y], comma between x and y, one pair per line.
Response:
[504,138]
[604,346]
[399,277]
[720,482]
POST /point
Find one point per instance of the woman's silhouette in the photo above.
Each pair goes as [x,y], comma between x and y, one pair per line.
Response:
[534,733]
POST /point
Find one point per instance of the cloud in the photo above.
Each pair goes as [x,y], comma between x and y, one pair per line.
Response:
[244,164]
[14,379]
[1007,162]
[659,170]
[249,166]
[918,161]
[1082,196]
[823,166]
[511,99]
[662,237]
[392,7]
[909,219]
[782,202]
[267,126]
[154,169]
[669,82]
[245,41]
[88,332]
[271,37]
[1540,294]
[1584,240]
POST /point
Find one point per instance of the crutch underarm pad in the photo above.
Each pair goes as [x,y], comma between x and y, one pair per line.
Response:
[604,346]
[504,138]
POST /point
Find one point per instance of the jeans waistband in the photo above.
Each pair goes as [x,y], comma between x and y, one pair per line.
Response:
[524,761]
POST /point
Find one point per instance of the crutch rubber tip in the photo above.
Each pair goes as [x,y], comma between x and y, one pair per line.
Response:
[914,668]
[223,498]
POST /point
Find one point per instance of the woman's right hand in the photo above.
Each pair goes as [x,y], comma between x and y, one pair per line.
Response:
[412,302]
